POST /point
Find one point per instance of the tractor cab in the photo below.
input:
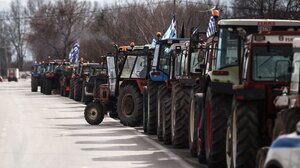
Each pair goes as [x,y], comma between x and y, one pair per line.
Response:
[170,58]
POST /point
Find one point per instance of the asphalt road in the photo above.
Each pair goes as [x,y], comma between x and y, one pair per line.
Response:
[49,131]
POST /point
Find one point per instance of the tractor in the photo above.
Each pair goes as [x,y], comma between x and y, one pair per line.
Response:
[50,79]
[36,75]
[287,113]
[96,75]
[213,105]
[73,77]
[65,79]
[79,80]
[264,68]
[127,73]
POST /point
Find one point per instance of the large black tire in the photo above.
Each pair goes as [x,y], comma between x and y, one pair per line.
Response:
[113,114]
[48,86]
[145,109]
[130,106]
[167,132]
[42,85]
[290,118]
[217,109]
[77,90]
[62,89]
[71,93]
[194,120]
[243,136]
[179,115]
[162,94]
[94,113]
[83,95]
[34,84]
[152,107]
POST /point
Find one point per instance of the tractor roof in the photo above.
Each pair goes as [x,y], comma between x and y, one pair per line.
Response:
[258,22]
[296,42]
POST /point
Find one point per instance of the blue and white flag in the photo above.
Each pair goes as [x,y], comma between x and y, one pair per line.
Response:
[74,53]
[171,32]
[211,27]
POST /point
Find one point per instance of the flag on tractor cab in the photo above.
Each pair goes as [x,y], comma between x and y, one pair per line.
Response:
[211,27]
[171,32]
[74,53]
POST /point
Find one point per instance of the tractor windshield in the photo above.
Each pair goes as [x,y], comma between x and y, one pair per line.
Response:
[295,73]
[38,69]
[197,58]
[135,67]
[162,56]
[51,67]
[227,49]
[271,63]
[180,63]
[98,70]
[85,70]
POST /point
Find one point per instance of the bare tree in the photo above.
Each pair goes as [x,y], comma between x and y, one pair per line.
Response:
[271,9]
[58,25]
[5,47]
[17,30]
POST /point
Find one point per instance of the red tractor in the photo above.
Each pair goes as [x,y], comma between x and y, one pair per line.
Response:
[127,75]
[223,74]
[264,71]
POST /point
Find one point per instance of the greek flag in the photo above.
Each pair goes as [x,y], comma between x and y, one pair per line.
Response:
[211,27]
[171,32]
[74,53]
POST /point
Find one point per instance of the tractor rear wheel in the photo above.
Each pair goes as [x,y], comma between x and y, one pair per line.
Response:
[94,113]
[179,115]
[34,84]
[77,90]
[162,94]
[71,93]
[243,137]
[152,107]
[145,109]
[216,110]
[194,120]
[130,106]
[48,86]
[166,108]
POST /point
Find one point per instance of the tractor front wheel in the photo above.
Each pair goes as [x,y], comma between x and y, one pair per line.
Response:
[34,84]
[217,107]
[243,137]
[179,115]
[94,113]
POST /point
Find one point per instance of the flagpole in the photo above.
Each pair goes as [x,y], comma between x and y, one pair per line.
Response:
[174,7]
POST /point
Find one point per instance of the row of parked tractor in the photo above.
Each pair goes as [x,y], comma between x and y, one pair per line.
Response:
[226,97]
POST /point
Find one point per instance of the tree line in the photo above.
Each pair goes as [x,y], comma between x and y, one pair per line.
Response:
[44,28]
